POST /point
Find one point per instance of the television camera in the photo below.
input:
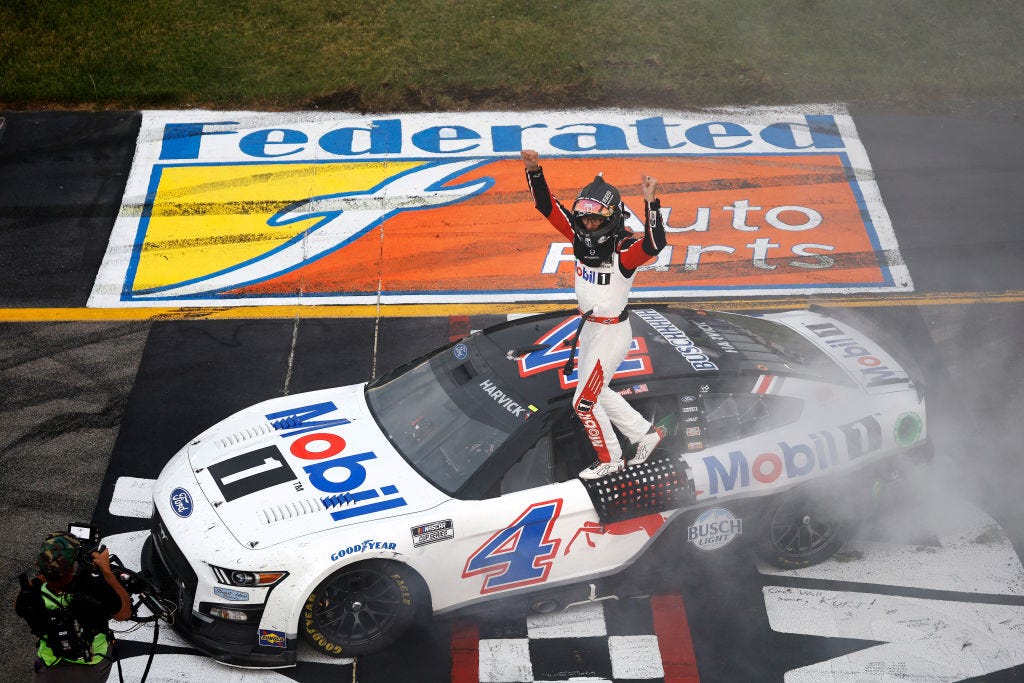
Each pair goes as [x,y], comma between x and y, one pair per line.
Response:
[136,583]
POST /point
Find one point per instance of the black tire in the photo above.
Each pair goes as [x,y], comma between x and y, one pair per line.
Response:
[362,608]
[800,529]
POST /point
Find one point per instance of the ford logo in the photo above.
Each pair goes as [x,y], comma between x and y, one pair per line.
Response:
[181,502]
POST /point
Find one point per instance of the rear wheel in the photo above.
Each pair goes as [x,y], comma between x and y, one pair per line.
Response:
[802,530]
[361,608]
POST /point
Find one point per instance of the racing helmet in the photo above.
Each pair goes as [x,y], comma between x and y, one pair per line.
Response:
[594,247]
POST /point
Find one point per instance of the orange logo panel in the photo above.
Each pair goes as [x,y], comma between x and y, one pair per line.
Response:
[765,222]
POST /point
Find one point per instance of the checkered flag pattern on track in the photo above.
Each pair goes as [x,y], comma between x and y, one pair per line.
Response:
[614,640]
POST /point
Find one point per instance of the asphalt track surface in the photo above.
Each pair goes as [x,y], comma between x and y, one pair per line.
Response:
[89,399]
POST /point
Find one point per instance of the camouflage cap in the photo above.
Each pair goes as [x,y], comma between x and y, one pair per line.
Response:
[57,555]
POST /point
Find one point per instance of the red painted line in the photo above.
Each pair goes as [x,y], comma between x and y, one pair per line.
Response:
[674,641]
[465,652]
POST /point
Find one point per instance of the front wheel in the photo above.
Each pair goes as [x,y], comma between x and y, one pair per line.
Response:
[361,608]
[801,530]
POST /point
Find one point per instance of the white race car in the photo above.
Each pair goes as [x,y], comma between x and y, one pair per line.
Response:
[339,515]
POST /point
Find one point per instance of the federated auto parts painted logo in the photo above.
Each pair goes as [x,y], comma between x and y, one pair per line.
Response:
[247,208]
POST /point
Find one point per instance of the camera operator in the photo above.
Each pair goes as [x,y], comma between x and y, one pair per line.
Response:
[69,610]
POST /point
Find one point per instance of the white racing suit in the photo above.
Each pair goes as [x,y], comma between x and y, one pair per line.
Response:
[604,339]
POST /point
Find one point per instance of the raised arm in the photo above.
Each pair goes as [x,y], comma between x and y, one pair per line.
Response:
[545,202]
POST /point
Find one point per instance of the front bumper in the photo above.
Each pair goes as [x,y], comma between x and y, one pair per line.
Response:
[229,642]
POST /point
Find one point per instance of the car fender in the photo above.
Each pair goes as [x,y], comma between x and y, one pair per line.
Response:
[285,604]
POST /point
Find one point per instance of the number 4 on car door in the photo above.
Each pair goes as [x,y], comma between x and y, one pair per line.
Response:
[521,553]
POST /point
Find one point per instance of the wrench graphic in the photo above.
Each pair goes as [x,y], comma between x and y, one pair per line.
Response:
[343,218]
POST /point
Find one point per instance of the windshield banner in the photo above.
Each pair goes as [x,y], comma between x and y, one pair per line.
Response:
[236,208]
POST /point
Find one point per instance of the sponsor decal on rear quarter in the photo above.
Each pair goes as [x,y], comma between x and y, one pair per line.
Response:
[714,529]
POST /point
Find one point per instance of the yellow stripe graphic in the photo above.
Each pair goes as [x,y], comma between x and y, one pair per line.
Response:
[38,315]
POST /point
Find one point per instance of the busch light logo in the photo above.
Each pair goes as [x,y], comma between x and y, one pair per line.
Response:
[181,502]
[714,529]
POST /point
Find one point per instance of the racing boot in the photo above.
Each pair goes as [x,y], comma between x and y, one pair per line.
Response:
[645,446]
[602,469]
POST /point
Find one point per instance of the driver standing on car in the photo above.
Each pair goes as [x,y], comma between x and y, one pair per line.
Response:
[607,256]
[69,612]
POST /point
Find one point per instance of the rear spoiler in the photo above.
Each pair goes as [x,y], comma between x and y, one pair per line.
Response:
[892,344]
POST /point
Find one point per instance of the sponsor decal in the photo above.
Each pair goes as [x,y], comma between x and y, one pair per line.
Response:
[556,345]
[271,638]
[857,355]
[300,420]
[461,351]
[365,546]
[793,460]
[714,529]
[504,400]
[908,429]
[230,594]
[716,337]
[648,524]
[521,554]
[332,468]
[181,502]
[585,406]
[634,389]
[683,345]
[594,277]
[433,532]
[251,472]
[251,208]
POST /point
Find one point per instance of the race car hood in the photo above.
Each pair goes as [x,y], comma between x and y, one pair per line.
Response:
[303,464]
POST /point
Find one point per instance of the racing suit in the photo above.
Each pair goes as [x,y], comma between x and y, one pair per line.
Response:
[605,335]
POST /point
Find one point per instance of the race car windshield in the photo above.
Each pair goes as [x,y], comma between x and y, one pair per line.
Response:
[448,414]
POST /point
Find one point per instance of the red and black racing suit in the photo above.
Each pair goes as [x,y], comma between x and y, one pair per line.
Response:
[603,291]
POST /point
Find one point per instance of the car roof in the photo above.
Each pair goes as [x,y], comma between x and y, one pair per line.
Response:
[679,344]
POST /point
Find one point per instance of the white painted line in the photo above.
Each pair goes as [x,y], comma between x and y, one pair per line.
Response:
[582,621]
[505,660]
[931,640]
[184,668]
[635,657]
[974,555]
[132,497]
